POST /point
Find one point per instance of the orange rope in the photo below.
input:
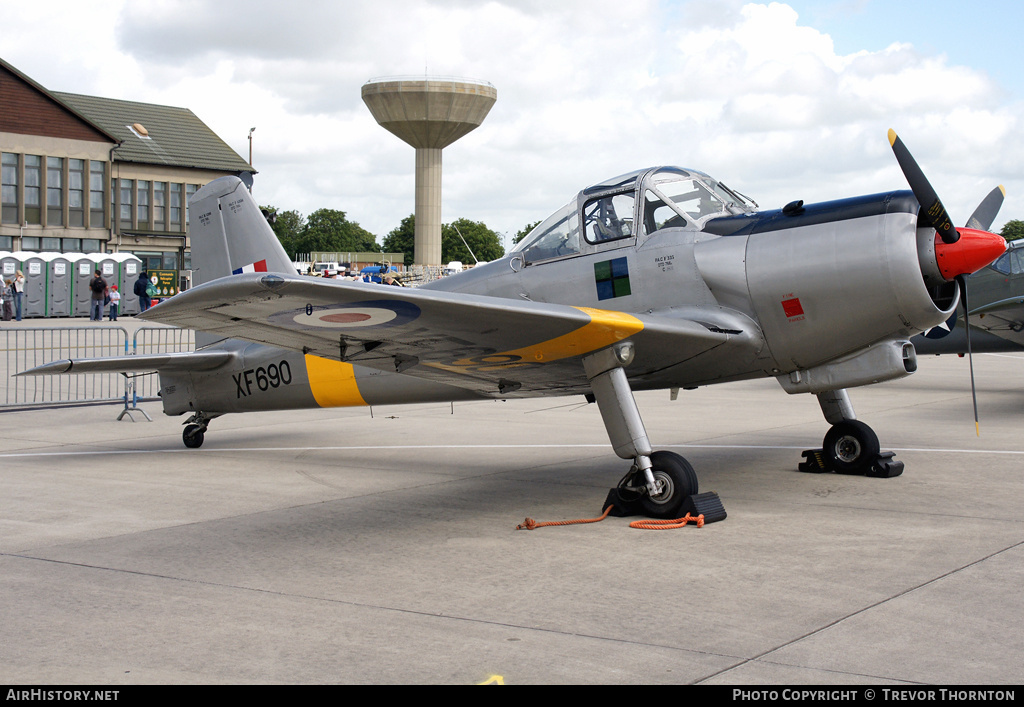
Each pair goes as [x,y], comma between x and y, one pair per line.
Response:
[667,524]
[530,523]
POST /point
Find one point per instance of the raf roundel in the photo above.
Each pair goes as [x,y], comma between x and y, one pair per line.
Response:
[378,313]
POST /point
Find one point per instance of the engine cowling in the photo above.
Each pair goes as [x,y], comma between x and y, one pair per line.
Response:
[827,280]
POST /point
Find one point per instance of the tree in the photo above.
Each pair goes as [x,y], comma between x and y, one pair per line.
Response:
[287,226]
[403,239]
[329,230]
[485,243]
[524,231]
[1013,230]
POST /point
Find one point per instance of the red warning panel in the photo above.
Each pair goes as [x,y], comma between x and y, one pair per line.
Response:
[792,307]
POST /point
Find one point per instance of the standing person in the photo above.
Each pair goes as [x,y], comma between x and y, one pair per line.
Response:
[8,299]
[140,290]
[19,290]
[115,300]
[99,291]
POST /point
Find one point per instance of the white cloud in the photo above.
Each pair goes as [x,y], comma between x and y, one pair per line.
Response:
[586,89]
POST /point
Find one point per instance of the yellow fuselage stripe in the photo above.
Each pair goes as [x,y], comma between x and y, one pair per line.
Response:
[332,383]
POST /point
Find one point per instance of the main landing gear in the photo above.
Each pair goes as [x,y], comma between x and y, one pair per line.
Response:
[195,430]
[850,446]
[659,484]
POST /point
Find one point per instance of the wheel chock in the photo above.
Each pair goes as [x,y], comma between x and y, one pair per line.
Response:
[814,462]
[622,507]
[707,504]
[885,466]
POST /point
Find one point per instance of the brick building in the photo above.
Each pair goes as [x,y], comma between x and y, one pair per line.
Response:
[88,174]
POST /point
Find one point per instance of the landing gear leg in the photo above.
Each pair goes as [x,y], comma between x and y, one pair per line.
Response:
[850,446]
[661,480]
[195,430]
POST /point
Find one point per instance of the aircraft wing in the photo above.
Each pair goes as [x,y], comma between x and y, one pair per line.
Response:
[198,360]
[996,326]
[1004,318]
[493,345]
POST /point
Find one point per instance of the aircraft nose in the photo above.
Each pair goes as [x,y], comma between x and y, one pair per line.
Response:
[974,250]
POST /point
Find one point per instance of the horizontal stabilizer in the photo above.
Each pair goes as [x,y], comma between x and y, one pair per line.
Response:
[193,361]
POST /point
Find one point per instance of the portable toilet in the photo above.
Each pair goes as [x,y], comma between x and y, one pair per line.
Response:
[60,270]
[83,267]
[9,265]
[109,268]
[129,267]
[33,303]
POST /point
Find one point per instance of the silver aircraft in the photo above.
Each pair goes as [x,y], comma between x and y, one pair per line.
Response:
[663,278]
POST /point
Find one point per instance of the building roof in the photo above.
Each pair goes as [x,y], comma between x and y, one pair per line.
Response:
[176,137]
[36,111]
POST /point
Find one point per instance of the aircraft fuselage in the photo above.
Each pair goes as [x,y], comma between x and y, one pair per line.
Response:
[821,297]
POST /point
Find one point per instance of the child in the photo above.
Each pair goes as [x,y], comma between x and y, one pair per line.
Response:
[115,299]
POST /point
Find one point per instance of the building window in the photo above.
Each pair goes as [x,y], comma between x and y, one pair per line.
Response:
[126,203]
[76,192]
[143,205]
[70,245]
[10,188]
[96,216]
[90,245]
[175,224]
[30,243]
[33,189]
[49,244]
[54,191]
[190,189]
[159,206]
[6,242]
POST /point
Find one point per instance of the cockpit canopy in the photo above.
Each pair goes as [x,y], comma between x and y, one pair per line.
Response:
[631,207]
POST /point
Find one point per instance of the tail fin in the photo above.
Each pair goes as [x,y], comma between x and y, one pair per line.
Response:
[230,235]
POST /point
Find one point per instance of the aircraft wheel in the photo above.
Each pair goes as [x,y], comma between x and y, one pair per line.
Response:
[851,447]
[680,481]
[193,436]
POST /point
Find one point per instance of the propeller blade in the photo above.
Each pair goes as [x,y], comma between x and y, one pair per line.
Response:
[932,210]
[985,214]
[962,281]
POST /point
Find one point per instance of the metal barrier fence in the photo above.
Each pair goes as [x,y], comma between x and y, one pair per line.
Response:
[25,348]
[158,340]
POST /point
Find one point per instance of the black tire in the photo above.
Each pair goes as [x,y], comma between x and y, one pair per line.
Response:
[680,481]
[193,436]
[851,447]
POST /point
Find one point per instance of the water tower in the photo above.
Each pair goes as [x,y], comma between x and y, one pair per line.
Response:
[429,114]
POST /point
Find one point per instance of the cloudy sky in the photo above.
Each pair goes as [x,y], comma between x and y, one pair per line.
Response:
[780,101]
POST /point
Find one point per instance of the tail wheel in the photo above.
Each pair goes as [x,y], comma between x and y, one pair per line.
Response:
[193,436]
[851,447]
[678,480]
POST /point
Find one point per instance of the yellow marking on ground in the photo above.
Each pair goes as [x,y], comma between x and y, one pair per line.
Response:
[493,680]
[604,329]
[332,383]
